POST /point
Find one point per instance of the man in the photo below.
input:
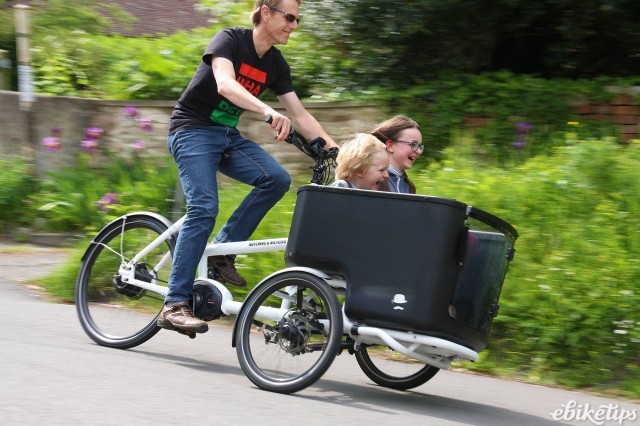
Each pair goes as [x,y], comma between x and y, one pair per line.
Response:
[238,65]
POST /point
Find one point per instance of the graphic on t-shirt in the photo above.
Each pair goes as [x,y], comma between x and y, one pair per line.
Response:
[251,79]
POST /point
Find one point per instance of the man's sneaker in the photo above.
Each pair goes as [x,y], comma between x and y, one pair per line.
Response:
[180,316]
[224,269]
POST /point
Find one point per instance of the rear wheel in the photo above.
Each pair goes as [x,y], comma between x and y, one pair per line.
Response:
[391,369]
[293,349]
[114,313]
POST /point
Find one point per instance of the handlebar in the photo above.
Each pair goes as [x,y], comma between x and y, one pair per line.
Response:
[324,158]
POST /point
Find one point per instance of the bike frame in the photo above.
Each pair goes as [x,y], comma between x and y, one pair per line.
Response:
[431,350]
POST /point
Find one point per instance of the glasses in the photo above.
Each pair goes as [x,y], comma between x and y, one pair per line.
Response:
[288,16]
[415,146]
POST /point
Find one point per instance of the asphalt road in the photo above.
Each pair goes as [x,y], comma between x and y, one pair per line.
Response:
[51,373]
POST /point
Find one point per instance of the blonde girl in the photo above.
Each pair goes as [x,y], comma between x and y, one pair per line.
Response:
[362,163]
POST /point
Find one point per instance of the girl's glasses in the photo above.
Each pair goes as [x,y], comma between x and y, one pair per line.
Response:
[288,16]
[415,146]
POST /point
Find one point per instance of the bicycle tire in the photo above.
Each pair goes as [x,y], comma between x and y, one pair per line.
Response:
[292,353]
[112,313]
[401,374]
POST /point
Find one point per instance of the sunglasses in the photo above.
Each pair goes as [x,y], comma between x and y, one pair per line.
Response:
[415,146]
[288,16]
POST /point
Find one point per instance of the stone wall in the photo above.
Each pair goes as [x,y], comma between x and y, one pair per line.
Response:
[23,132]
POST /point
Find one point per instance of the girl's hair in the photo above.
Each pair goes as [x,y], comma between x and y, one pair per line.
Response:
[390,129]
[356,155]
[255,15]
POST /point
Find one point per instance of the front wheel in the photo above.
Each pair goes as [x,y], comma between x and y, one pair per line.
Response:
[113,313]
[391,369]
[294,348]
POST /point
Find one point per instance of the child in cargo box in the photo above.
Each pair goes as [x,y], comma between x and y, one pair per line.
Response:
[403,140]
[362,163]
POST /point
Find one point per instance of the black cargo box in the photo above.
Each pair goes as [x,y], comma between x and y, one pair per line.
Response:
[410,261]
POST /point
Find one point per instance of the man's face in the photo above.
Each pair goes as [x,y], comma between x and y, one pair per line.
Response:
[278,25]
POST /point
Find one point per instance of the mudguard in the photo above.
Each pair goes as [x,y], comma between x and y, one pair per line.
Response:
[118,222]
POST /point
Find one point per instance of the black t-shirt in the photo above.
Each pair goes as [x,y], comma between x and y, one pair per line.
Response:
[201,105]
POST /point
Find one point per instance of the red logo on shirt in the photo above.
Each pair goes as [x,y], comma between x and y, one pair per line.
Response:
[252,75]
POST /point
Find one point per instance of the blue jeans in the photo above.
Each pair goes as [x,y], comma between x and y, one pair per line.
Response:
[200,153]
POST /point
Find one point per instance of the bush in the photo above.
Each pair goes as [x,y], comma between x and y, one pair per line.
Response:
[569,305]
[511,104]
[101,187]
[16,183]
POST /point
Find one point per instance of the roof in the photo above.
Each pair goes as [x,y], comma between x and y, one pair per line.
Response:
[161,16]
[155,17]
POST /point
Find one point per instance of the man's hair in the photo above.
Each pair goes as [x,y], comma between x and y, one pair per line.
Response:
[390,129]
[255,15]
[355,155]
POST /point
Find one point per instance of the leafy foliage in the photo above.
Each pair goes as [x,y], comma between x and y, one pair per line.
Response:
[16,182]
[70,200]
[568,311]
[504,100]
[407,43]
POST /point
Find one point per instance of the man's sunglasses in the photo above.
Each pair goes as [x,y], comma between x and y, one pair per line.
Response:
[288,16]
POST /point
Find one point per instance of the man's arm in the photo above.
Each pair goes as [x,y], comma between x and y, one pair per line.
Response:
[306,124]
[228,87]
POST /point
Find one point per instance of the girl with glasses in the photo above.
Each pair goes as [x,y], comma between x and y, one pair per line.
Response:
[403,141]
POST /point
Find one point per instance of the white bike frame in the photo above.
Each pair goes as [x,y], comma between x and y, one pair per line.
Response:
[430,350]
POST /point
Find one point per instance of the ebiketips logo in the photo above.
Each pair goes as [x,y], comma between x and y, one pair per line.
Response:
[596,415]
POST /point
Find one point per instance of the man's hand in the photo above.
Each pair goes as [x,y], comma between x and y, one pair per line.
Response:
[280,123]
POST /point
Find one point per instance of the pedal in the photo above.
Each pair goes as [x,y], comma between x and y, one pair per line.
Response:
[191,334]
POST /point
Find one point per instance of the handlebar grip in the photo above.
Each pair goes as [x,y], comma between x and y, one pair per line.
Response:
[268,119]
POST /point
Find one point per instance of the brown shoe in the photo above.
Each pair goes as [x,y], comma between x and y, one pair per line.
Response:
[224,270]
[180,316]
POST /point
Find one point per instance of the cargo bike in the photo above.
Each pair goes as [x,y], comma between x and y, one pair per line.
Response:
[407,284]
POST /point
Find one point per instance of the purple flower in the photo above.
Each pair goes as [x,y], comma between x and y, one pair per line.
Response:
[51,144]
[523,128]
[524,125]
[107,201]
[93,132]
[138,145]
[89,145]
[145,124]
[55,131]
[131,111]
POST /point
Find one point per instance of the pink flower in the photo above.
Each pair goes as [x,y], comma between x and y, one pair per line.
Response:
[93,132]
[138,145]
[105,203]
[89,145]
[51,144]
[131,111]
[145,124]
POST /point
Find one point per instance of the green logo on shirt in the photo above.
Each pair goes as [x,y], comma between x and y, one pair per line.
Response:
[226,113]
